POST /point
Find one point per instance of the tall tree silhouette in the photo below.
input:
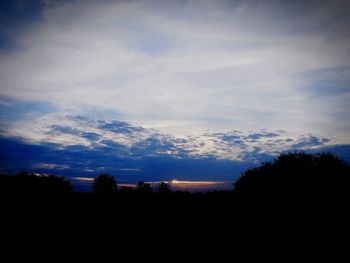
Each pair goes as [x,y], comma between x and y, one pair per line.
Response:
[105,184]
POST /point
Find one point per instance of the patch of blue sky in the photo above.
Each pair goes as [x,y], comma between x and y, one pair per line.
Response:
[12,110]
[151,43]
[328,82]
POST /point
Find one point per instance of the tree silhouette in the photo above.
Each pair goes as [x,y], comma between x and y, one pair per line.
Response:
[143,187]
[297,173]
[163,188]
[104,184]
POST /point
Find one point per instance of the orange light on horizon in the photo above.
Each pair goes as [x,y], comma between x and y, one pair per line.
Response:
[172,182]
[83,178]
[196,182]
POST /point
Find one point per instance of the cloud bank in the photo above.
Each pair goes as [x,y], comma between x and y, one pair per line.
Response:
[86,147]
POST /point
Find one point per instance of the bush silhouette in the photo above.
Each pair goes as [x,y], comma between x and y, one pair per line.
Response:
[104,184]
[297,173]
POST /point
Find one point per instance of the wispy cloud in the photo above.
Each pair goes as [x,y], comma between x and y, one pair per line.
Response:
[172,65]
[50,166]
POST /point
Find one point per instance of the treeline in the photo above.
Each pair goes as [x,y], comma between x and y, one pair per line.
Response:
[25,183]
[297,174]
[104,184]
[292,192]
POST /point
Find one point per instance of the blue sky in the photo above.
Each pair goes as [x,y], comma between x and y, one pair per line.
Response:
[225,81]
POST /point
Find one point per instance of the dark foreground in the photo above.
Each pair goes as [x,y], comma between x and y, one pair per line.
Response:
[180,208]
[298,195]
[153,224]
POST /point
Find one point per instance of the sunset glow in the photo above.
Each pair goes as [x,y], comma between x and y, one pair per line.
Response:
[177,182]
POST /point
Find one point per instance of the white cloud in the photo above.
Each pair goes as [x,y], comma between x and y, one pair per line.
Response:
[182,67]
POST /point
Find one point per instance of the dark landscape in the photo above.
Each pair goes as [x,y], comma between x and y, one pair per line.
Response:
[293,180]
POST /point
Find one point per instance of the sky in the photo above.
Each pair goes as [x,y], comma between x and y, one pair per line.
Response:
[143,85]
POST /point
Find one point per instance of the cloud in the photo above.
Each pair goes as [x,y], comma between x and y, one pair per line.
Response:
[77,160]
[119,127]
[149,162]
[309,142]
[122,139]
[50,166]
[199,64]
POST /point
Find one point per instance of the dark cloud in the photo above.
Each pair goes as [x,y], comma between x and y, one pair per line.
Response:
[310,141]
[59,129]
[257,136]
[119,127]
[91,136]
[15,14]
[17,155]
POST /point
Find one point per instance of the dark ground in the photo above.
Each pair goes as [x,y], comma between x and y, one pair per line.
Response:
[309,205]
